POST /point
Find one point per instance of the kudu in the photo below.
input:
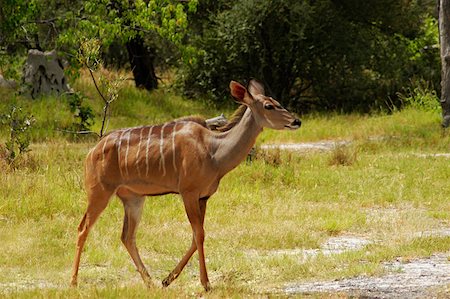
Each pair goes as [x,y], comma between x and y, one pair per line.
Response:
[182,157]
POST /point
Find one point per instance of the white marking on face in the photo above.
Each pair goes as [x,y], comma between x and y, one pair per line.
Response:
[126,151]
[149,137]
[173,146]
[137,153]
[270,122]
[162,162]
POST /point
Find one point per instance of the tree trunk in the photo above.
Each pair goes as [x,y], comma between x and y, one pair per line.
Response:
[142,63]
[444,38]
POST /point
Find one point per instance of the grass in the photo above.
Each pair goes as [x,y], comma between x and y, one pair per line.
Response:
[383,191]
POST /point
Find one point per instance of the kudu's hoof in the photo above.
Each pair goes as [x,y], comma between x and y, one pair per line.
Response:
[207,286]
[149,284]
[73,283]
[167,281]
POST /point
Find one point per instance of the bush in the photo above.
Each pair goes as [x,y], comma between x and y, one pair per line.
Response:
[83,113]
[341,55]
[19,125]
[421,97]
[342,155]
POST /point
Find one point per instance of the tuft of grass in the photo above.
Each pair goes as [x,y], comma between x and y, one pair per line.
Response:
[342,155]
[421,97]
[273,157]
[24,161]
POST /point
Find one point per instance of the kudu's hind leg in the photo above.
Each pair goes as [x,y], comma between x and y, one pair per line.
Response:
[195,210]
[133,205]
[97,201]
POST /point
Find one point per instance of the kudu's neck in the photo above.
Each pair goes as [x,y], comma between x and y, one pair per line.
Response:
[233,146]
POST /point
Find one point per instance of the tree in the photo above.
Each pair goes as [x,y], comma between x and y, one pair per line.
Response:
[341,54]
[64,25]
[444,36]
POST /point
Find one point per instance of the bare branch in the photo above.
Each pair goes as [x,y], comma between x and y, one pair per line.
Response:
[95,83]
[105,118]
[43,21]
[107,102]
[78,132]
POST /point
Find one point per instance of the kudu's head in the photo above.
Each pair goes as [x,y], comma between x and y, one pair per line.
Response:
[266,110]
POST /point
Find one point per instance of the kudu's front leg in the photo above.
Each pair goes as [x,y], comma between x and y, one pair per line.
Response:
[176,272]
[195,210]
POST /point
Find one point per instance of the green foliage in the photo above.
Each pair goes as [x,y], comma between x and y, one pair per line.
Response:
[17,14]
[19,125]
[108,90]
[343,55]
[89,53]
[421,97]
[111,21]
[11,66]
[64,26]
[83,113]
[424,58]
[235,47]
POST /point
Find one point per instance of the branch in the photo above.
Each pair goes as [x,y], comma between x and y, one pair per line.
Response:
[105,114]
[42,21]
[107,103]
[107,118]
[95,83]
[78,132]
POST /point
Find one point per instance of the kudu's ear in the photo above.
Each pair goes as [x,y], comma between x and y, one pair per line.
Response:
[238,91]
[255,87]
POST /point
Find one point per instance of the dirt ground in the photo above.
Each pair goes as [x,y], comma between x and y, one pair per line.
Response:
[419,278]
[416,278]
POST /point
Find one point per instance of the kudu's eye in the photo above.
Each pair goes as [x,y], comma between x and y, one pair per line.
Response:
[269,106]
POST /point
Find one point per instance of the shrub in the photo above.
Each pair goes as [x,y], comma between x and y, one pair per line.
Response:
[340,55]
[19,125]
[421,97]
[83,113]
[342,155]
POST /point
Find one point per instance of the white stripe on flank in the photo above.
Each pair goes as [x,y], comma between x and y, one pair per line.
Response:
[137,153]
[118,152]
[146,151]
[161,153]
[126,152]
[92,156]
[173,146]
[103,153]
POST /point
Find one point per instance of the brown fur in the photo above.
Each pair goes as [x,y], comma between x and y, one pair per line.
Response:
[194,118]
[182,157]
[234,119]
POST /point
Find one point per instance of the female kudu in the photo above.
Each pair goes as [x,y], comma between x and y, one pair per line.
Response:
[180,157]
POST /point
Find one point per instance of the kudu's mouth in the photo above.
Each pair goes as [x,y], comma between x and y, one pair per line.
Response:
[294,125]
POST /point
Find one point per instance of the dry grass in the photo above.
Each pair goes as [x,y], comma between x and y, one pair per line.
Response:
[343,155]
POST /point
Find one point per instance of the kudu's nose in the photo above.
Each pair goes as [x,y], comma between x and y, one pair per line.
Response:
[296,123]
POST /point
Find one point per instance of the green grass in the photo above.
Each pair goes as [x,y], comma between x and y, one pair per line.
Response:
[387,194]
[134,107]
